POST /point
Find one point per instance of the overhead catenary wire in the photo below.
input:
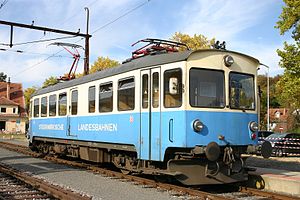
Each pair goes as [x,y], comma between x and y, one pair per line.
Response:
[3,3]
[39,41]
[121,16]
[68,19]
[33,53]
[36,64]
[96,30]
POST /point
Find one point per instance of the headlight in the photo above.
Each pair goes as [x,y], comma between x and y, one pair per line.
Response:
[253,126]
[228,60]
[198,125]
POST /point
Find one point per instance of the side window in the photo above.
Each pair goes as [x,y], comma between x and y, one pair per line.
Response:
[92,97]
[74,100]
[44,107]
[62,104]
[36,107]
[145,89]
[52,105]
[173,88]
[126,91]
[106,97]
[155,90]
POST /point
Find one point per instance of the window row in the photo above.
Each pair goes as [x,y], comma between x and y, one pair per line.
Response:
[57,104]
[126,100]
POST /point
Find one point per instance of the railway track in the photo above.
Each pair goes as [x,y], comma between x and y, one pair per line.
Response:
[15,184]
[12,188]
[243,192]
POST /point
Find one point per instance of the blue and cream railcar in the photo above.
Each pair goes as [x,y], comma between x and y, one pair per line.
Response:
[186,114]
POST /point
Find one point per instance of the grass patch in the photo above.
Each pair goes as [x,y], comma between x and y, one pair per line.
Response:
[12,136]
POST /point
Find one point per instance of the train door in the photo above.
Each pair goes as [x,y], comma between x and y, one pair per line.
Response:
[73,109]
[150,136]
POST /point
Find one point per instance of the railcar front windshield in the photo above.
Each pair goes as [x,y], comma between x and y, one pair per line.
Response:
[241,91]
[207,88]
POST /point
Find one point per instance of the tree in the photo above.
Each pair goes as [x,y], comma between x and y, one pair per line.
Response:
[3,77]
[289,84]
[50,81]
[194,42]
[103,63]
[289,18]
[274,101]
[27,94]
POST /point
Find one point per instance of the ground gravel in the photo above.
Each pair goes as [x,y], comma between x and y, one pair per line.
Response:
[95,185]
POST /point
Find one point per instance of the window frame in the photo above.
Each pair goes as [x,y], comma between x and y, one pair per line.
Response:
[90,110]
[180,87]
[155,100]
[118,93]
[36,114]
[229,89]
[44,105]
[4,109]
[111,97]
[51,106]
[60,104]
[72,102]
[224,88]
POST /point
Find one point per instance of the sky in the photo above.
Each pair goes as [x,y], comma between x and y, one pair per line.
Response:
[247,26]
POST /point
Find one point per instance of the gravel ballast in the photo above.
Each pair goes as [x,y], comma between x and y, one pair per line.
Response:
[95,185]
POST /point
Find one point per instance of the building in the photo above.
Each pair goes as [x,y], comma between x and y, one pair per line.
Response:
[13,115]
[279,118]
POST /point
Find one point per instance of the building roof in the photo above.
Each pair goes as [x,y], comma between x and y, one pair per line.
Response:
[16,95]
[7,102]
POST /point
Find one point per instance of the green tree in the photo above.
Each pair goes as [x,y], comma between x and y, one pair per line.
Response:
[289,84]
[103,63]
[274,101]
[193,42]
[50,81]
[2,77]
[27,94]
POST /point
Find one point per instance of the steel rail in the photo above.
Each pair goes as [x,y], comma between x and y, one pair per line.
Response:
[54,190]
[150,183]
[267,194]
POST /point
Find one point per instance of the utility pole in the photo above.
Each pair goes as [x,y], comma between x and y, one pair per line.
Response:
[268,96]
[46,29]
[87,43]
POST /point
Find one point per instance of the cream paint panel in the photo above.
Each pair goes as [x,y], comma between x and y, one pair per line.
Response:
[214,60]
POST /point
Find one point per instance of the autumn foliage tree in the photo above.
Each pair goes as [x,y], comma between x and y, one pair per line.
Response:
[50,81]
[193,42]
[103,63]
[27,94]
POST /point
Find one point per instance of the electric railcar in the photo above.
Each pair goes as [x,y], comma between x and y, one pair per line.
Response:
[189,115]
